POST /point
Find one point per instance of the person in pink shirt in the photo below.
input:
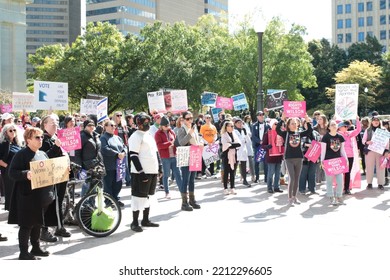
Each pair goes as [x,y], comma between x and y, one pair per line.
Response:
[350,147]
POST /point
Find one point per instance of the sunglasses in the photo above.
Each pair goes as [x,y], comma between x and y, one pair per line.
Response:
[112,125]
[39,137]
[188,119]
[119,115]
[12,130]
[91,124]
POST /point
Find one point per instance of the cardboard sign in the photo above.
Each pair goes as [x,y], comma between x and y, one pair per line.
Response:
[120,169]
[195,158]
[23,101]
[346,101]
[335,166]
[224,103]
[314,152]
[182,156]
[49,172]
[240,102]
[210,154]
[209,99]
[51,95]
[70,138]
[277,143]
[294,109]
[380,140]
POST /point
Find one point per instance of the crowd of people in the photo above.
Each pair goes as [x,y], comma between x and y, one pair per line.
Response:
[148,145]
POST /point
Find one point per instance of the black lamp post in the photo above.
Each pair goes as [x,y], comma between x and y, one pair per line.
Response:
[260,93]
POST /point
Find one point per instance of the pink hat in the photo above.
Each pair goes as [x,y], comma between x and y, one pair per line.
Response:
[158,116]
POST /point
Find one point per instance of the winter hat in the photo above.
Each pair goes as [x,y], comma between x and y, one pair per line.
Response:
[164,121]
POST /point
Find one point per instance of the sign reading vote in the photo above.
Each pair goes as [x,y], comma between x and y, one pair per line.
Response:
[49,172]
[50,95]
[293,109]
[70,138]
[335,166]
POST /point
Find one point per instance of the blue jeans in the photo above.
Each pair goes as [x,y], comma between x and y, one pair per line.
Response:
[169,164]
[188,179]
[111,186]
[308,174]
[257,169]
[329,185]
[273,175]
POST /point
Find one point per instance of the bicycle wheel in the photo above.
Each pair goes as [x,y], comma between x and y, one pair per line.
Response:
[87,210]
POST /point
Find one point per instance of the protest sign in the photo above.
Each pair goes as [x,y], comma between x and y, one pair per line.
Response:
[182,156]
[120,169]
[208,99]
[379,141]
[102,110]
[89,106]
[70,138]
[335,166]
[294,109]
[239,102]
[275,98]
[179,101]
[210,154]
[156,101]
[5,108]
[215,112]
[50,95]
[224,103]
[23,101]
[314,152]
[195,158]
[49,172]
[346,101]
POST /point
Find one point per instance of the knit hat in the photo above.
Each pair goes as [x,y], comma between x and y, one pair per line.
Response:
[87,122]
[164,121]
[272,122]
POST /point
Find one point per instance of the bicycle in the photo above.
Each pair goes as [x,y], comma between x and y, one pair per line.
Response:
[97,213]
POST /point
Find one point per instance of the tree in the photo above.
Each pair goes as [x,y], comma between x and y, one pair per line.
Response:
[382,100]
[370,51]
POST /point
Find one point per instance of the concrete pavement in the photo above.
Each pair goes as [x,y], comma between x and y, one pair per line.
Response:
[255,229]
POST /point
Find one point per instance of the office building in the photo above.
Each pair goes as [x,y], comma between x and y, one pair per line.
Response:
[354,20]
[12,46]
[54,22]
[130,16]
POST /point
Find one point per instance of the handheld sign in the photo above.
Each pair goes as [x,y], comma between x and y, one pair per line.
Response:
[50,95]
[294,109]
[49,172]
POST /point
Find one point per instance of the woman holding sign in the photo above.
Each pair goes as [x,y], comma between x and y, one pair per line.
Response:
[332,147]
[29,205]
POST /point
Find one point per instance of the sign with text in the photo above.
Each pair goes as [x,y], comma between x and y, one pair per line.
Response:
[215,112]
[210,154]
[70,138]
[179,101]
[224,103]
[346,101]
[208,99]
[102,110]
[239,102]
[182,156]
[23,101]
[314,152]
[380,140]
[49,172]
[5,108]
[195,158]
[156,101]
[88,106]
[50,95]
[120,169]
[335,166]
[293,109]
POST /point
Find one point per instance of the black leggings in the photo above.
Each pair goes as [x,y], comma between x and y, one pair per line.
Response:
[347,176]
[228,171]
[26,233]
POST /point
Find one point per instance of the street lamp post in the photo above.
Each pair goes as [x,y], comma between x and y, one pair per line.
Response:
[260,94]
[365,100]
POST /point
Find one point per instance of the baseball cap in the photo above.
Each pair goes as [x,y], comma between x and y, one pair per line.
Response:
[260,113]
[7,116]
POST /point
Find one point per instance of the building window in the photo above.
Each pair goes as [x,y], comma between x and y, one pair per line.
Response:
[361,22]
[361,37]
[369,6]
[340,24]
[382,35]
[382,20]
[348,37]
[348,23]
[369,21]
[348,8]
[360,7]
[339,9]
[382,4]
[339,38]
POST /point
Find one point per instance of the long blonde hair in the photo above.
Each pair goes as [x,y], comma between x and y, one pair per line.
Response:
[223,129]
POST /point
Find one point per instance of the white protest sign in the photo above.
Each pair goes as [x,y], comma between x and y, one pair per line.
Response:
[156,101]
[380,139]
[239,102]
[102,110]
[210,153]
[183,156]
[89,106]
[179,101]
[346,101]
[23,101]
[51,95]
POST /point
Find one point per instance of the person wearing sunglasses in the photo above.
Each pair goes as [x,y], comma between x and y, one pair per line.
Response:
[122,130]
[29,206]
[10,144]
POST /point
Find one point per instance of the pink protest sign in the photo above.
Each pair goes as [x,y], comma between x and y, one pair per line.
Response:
[314,152]
[276,142]
[6,108]
[224,103]
[195,158]
[294,109]
[335,166]
[70,138]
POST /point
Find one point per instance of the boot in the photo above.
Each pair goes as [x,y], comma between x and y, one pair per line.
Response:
[38,251]
[193,201]
[185,206]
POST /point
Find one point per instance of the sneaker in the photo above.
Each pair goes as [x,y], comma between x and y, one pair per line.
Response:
[27,257]
[39,252]
[204,177]
[62,232]
[369,186]
[381,187]
[247,184]
[278,190]
[225,191]
[290,202]
[47,236]
[270,191]
[160,188]
[149,224]
[232,191]
[333,201]
[313,192]
[339,201]
[136,228]
[295,200]
[347,192]
[121,204]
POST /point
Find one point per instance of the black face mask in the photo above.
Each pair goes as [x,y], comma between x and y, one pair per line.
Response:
[145,127]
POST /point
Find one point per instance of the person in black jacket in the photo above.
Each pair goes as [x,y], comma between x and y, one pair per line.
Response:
[52,147]
[29,205]
[258,130]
